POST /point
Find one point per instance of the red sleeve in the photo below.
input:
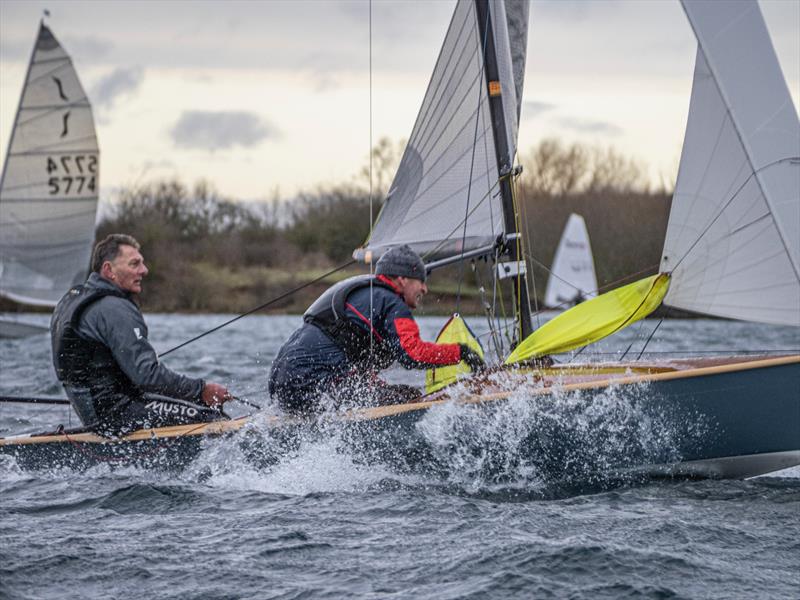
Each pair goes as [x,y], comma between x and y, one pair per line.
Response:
[421,351]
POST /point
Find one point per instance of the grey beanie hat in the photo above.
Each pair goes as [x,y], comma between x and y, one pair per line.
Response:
[401,262]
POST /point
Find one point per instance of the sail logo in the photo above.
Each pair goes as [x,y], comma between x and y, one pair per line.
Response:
[168,408]
[61,93]
[65,131]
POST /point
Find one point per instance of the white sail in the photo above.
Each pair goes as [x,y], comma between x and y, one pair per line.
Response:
[49,187]
[572,277]
[449,173]
[733,239]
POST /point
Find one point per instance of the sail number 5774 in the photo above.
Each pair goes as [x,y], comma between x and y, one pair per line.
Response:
[72,174]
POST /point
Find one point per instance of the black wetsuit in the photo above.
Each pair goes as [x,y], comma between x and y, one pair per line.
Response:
[110,371]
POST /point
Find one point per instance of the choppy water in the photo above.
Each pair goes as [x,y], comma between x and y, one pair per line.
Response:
[323,522]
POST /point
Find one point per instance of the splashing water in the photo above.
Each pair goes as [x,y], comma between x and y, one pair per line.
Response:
[576,437]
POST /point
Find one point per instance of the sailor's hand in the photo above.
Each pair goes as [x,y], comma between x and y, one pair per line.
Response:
[215,395]
[472,358]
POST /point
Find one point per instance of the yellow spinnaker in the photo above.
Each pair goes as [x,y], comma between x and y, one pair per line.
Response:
[455,331]
[594,319]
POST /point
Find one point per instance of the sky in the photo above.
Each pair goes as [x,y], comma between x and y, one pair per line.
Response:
[265,98]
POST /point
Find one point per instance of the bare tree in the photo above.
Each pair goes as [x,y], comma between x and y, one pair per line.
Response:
[553,169]
[612,171]
[385,157]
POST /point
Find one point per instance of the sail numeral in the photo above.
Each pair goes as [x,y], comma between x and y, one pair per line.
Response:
[72,174]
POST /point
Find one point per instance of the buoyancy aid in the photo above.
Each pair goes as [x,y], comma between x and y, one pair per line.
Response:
[328,313]
[95,384]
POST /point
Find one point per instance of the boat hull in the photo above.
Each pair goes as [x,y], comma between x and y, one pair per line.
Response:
[720,418]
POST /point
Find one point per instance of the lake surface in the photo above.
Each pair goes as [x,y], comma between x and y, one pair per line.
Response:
[324,523]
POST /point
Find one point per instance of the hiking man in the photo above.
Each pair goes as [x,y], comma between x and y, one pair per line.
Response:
[101,354]
[358,327]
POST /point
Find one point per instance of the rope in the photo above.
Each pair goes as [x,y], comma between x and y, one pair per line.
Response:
[471,167]
[257,308]
[371,221]
[650,337]
[529,281]
[32,400]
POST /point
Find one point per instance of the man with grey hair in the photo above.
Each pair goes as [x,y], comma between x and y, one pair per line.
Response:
[101,354]
[358,327]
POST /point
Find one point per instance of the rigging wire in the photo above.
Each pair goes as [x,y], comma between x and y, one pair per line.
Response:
[262,306]
[472,165]
[529,281]
[371,222]
[489,310]
[520,254]
[650,337]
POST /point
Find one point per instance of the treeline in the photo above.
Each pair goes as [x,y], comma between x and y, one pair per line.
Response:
[210,253]
[625,217]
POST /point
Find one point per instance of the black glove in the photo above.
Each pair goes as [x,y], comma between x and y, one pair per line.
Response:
[472,358]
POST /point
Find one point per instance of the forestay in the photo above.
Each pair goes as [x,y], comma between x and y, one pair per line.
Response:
[49,188]
[449,170]
[733,239]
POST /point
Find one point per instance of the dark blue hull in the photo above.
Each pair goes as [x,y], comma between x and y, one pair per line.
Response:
[724,420]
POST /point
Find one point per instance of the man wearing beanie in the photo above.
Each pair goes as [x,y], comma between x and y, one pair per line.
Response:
[358,327]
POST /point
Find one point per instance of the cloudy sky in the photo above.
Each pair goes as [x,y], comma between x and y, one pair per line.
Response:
[266,97]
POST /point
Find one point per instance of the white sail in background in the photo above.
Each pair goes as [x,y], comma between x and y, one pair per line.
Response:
[572,277]
[733,239]
[448,173]
[49,187]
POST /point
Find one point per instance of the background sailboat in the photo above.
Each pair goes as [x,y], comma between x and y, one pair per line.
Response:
[50,184]
[572,277]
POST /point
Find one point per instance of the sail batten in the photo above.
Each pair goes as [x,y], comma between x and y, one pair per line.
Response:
[50,182]
[734,227]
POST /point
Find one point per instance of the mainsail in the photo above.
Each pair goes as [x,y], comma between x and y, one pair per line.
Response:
[49,186]
[572,278]
[733,239]
[449,174]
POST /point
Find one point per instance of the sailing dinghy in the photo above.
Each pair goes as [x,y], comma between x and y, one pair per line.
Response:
[572,279]
[49,186]
[453,200]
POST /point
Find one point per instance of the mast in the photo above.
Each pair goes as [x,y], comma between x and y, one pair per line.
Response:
[504,159]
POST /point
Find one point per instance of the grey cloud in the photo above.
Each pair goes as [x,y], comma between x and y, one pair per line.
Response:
[534,108]
[119,82]
[588,126]
[207,130]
